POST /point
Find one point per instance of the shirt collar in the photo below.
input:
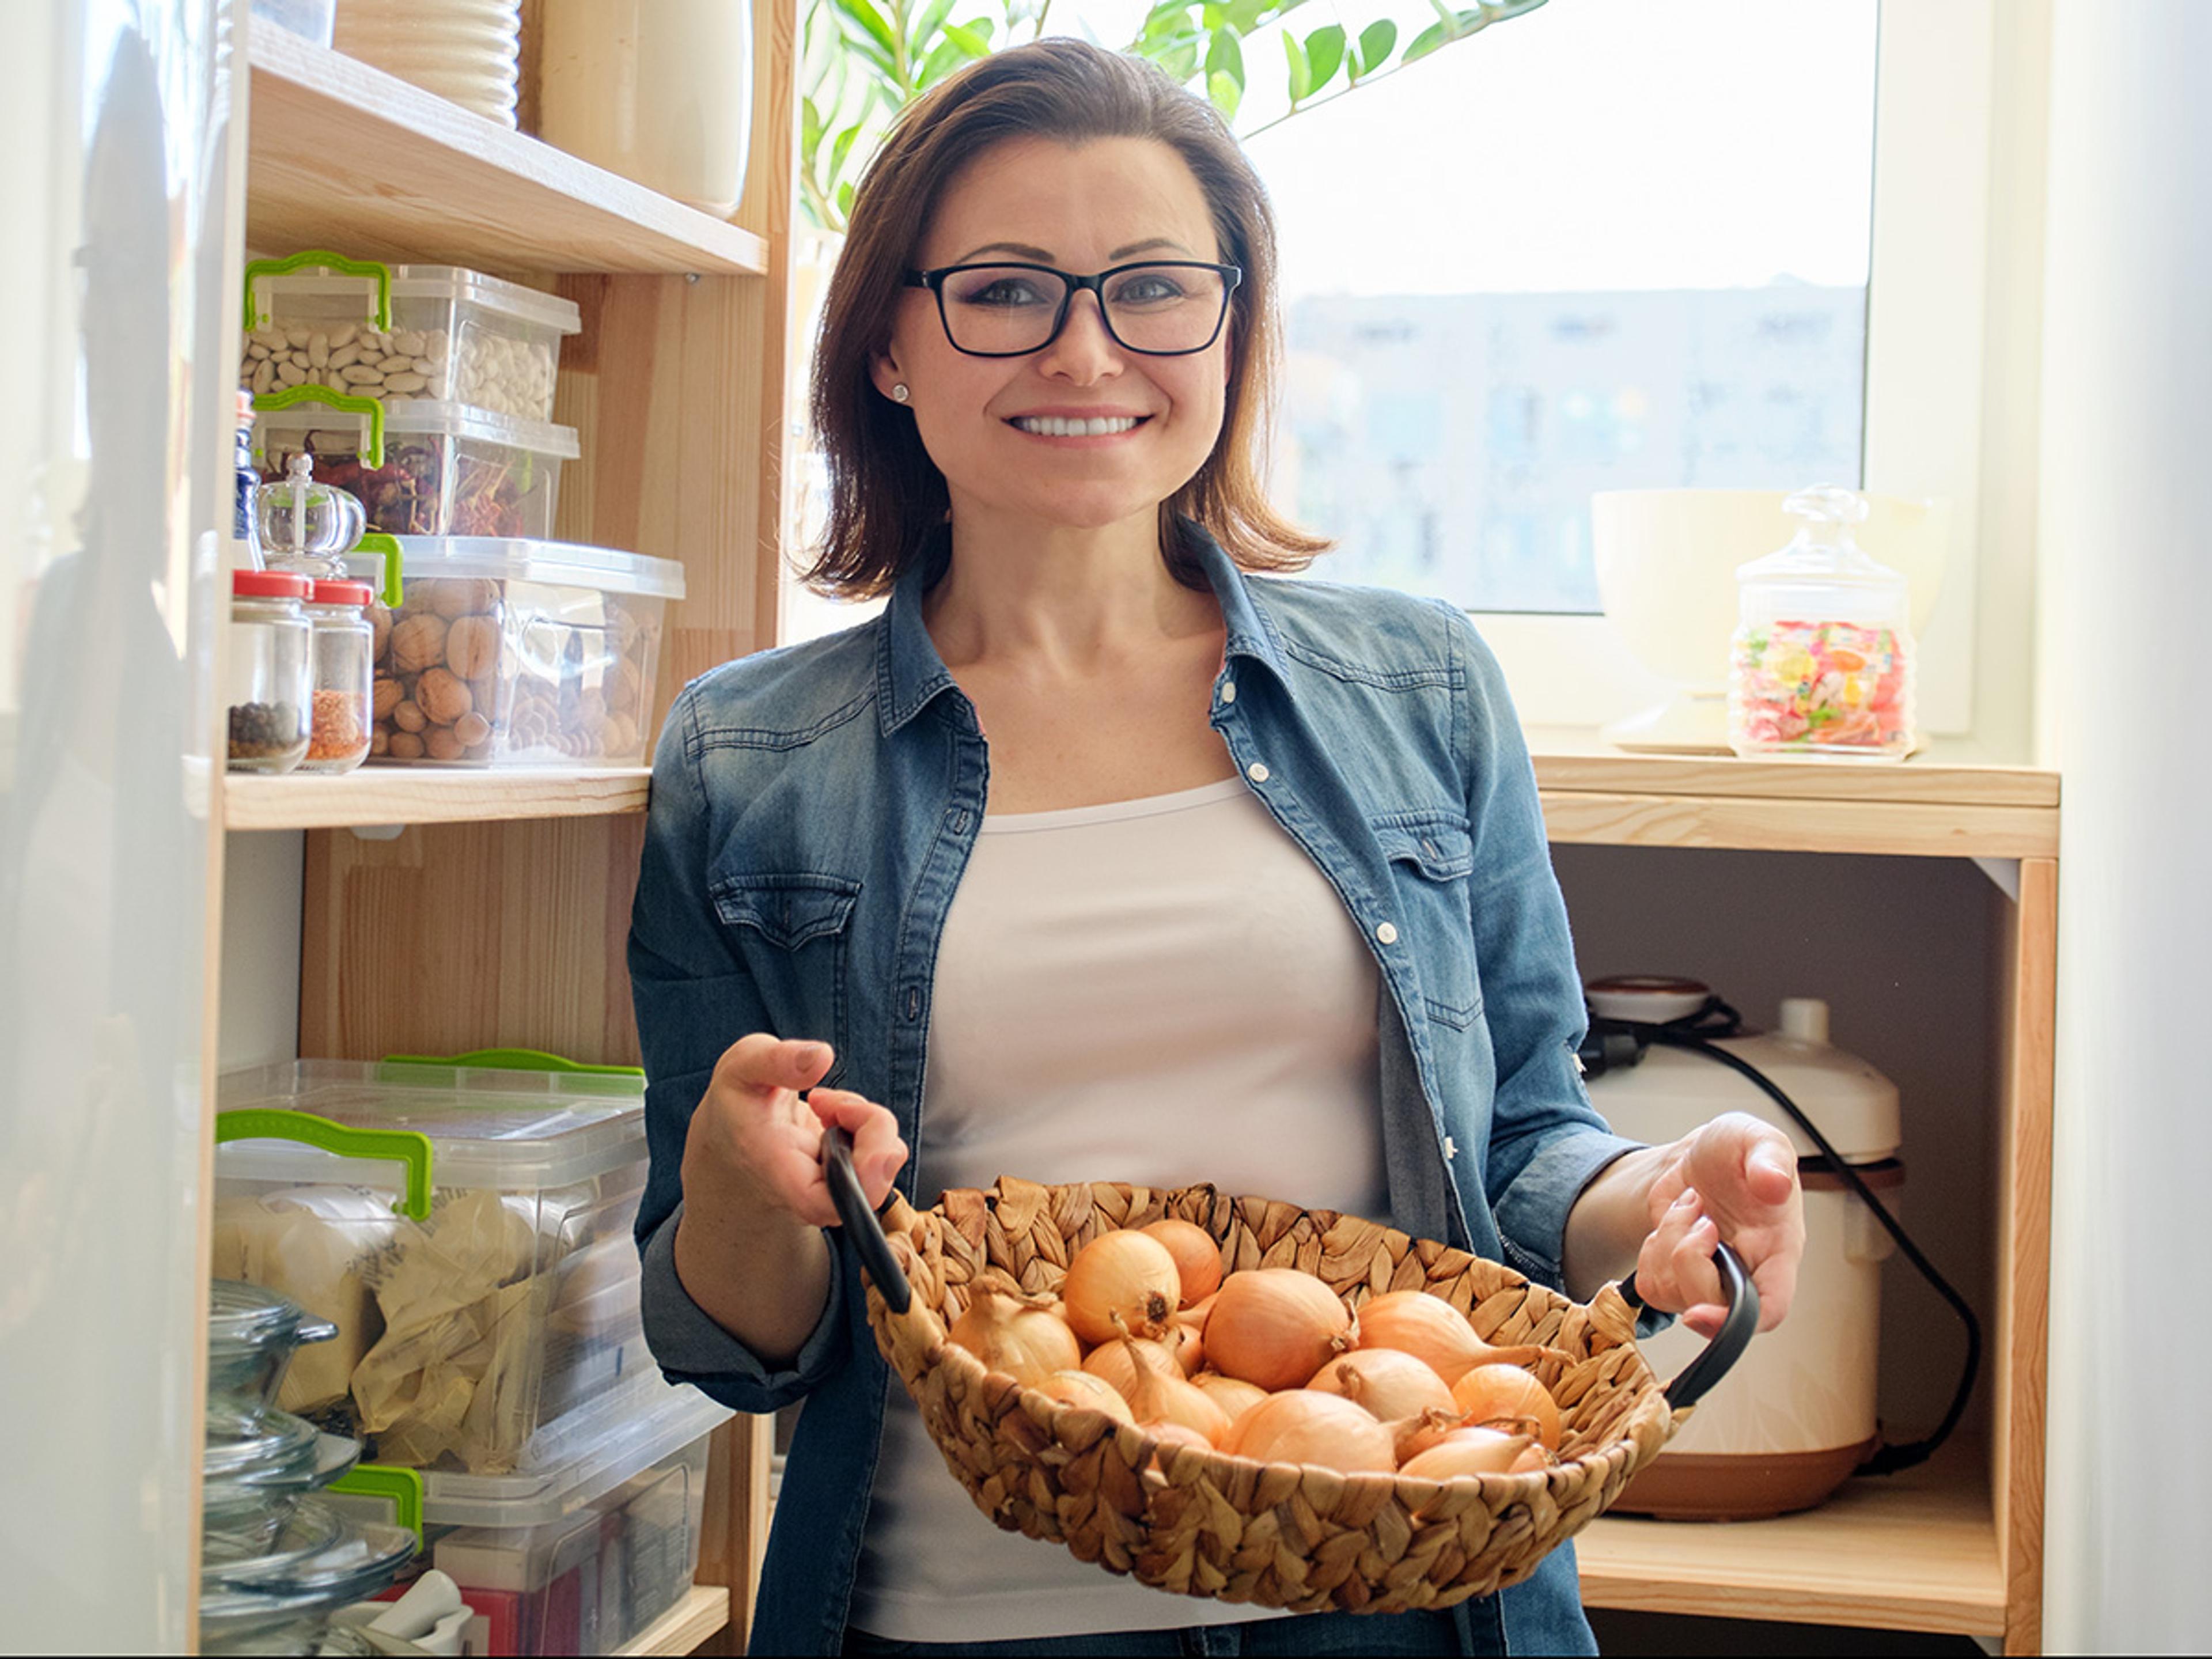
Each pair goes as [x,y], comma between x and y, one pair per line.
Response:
[910,675]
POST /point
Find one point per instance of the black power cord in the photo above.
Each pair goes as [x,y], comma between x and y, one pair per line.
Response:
[1615,1043]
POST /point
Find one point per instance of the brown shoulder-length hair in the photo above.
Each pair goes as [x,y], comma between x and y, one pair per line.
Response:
[886,496]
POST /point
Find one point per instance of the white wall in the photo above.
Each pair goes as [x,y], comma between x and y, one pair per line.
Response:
[2127,573]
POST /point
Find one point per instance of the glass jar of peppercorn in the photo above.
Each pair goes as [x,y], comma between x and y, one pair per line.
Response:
[270,672]
[345,666]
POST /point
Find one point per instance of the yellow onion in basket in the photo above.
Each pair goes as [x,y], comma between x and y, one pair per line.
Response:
[1118,1361]
[1163,1394]
[1301,1426]
[1390,1384]
[1475,1452]
[1092,1392]
[1123,1283]
[1507,1396]
[1430,1328]
[1275,1326]
[1197,1257]
[1019,1335]
[1234,1398]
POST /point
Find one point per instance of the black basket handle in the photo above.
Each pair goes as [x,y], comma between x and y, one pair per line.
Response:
[1737,1327]
[859,1221]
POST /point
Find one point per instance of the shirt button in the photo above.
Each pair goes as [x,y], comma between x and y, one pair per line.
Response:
[1387,933]
[1229,691]
[1256,772]
[1451,1149]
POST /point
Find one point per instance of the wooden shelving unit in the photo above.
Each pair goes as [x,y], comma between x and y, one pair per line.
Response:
[341,154]
[1917,1552]
[497,911]
[704,1611]
[377,795]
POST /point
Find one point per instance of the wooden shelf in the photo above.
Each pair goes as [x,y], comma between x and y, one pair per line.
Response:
[704,1610]
[382,795]
[1921,808]
[1916,1551]
[341,154]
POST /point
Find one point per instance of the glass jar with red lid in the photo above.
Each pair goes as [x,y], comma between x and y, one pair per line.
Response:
[345,668]
[270,672]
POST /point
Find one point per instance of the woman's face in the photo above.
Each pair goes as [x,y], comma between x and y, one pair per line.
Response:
[1081,208]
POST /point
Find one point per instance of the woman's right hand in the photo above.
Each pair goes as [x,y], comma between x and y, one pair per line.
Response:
[755,1140]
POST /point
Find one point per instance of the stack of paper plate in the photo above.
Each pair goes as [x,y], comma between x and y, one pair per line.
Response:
[464,49]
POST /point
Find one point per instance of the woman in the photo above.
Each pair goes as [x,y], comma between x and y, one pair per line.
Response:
[1094,858]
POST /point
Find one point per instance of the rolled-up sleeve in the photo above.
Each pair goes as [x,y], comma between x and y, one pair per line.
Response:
[693,998]
[1546,1141]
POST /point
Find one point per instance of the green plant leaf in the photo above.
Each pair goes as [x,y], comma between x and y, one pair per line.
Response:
[1427,41]
[1225,56]
[1225,91]
[944,57]
[1179,61]
[809,126]
[1375,43]
[1324,53]
[872,24]
[845,200]
[926,25]
[976,43]
[1301,75]
[842,147]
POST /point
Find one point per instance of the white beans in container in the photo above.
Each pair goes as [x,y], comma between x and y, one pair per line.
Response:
[456,336]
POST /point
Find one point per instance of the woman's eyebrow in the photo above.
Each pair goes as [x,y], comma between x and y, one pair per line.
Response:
[1044,256]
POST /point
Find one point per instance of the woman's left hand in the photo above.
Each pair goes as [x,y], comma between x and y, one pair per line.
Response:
[1734,1178]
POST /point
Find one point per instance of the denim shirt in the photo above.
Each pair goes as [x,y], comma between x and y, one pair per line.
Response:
[813,810]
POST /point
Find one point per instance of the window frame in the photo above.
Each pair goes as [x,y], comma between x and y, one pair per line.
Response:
[1940,79]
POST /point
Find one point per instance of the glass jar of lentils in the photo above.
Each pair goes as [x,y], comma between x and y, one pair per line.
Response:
[345,664]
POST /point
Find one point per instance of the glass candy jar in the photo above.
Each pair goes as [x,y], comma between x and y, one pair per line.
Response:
[304,526]
[270,671]
[345,670]
[1823,659]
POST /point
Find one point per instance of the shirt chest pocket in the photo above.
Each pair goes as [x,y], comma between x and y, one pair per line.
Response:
[1432,856]
[793,931]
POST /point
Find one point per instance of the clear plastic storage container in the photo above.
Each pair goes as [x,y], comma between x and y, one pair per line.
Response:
[419,469]
[1823,659]
[499,1292]
[594,1538]
[399,333]
[519,651]
[312,21]
[269,667]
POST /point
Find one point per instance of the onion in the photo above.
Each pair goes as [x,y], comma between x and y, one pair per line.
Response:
[1093,1394]
[1166,1438]
[1197,1257]
[1117,1361]
[1275,1326]
[1121,1283]
[1475,1452]
[1390,1384]
[1021,1336]
[1233,1397]
[1163,1396]
[1507,1394]
[1187,1343]
[1412,1436]
[1301,1426]
[1430,1328]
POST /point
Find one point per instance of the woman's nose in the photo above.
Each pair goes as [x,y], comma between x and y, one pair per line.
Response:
[1084,351]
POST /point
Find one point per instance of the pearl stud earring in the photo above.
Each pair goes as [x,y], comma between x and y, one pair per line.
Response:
[899,392]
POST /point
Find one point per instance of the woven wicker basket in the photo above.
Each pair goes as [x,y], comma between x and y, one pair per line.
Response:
[1204,1523]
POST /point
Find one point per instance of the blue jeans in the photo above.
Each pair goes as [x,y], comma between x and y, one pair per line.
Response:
[1326,1635]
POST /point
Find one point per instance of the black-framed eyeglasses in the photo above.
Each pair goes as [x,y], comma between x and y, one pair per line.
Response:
[1157,307]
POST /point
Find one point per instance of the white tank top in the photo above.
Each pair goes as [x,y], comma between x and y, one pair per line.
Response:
[1165,991]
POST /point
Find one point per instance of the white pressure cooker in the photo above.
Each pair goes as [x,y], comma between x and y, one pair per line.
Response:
[1796,1416]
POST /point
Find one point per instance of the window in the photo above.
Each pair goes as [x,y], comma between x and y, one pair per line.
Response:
[1608,245]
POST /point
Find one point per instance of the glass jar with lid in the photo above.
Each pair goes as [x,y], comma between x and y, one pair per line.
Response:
[345,670]
[1823,659]
[270,672]
[304,526]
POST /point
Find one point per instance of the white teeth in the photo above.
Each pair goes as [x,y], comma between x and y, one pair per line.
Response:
[1053,426]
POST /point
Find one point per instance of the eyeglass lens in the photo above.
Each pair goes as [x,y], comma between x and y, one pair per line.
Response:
[1013,308]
